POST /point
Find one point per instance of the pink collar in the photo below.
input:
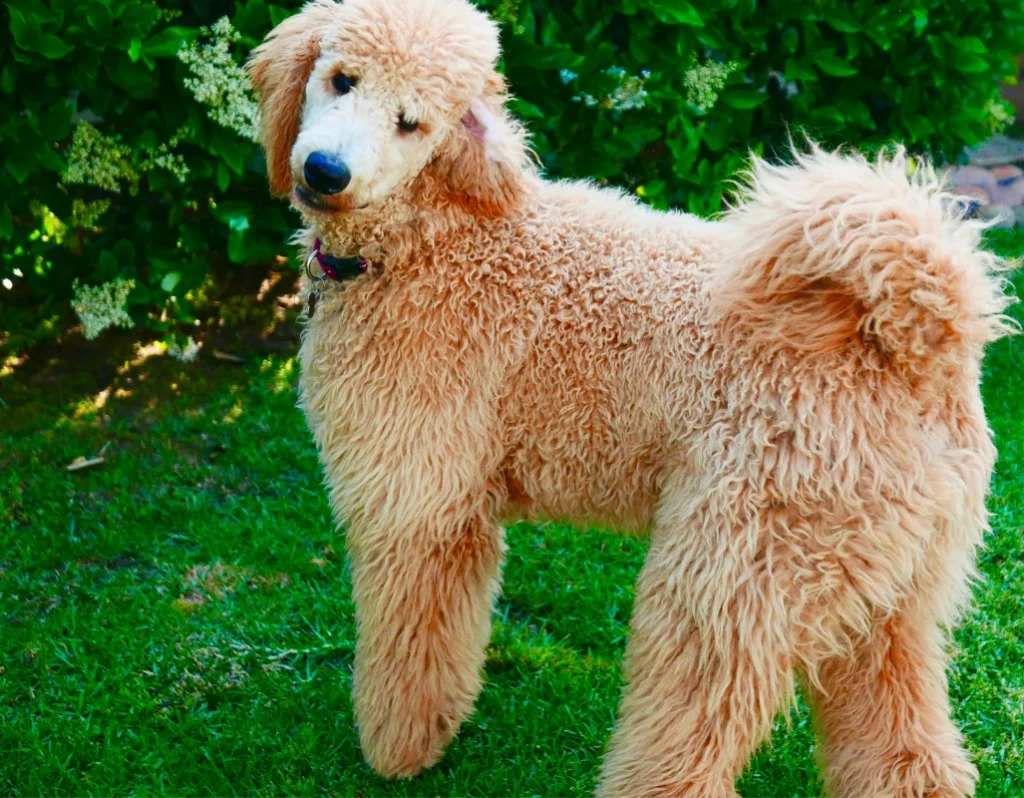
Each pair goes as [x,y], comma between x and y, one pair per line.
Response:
[339,269]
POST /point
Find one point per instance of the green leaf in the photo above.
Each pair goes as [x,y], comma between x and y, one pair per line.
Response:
[675,12]
[969,44]
[651,189]
[25,30]
[251,18]
[51,47]
[232,209]
[236,246]
[856,112]
[135,79]
[7,81]
[223,177]
[99,17]
[141,15]
[969,63]
[56,121]
[193,239]
[50,159]
[170,280]
[799,69]
[831,64]
[20,165]
[239,223]
[168,42]
[790,40]
[524,109]
[232,149]
[919,127]
[148,140]
[910,99]
[827,116]
[108,266]
[920,20]
[743,98]
[6,224]
[135,49]
[278,15]
[842,21]
[124,250]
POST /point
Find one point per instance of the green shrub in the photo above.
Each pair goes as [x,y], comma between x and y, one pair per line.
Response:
[123,161]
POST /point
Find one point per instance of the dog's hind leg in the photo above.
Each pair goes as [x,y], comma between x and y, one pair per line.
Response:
[709,661]
[423,607]
[885,715]
[883,709]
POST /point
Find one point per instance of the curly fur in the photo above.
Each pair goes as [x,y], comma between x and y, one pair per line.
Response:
[788,398]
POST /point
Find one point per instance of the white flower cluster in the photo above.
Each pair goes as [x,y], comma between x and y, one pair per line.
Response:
[508,13]
[999,115]
[98,160]
[187,353]
[221,83]
[103,306]
[163,158]
[628,95]
[86,214]
[704,81]
[173,162]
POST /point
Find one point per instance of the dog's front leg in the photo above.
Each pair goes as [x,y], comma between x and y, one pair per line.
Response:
[423,608]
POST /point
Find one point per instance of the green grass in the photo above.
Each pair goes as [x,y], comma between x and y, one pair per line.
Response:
[179,619]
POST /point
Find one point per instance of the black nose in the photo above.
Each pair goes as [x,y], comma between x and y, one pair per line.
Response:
[325,173]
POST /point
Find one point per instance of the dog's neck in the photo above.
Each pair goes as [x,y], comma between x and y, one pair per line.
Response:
[398,233]
[384,233]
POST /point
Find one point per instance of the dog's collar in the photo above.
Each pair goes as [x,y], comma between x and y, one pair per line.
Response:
[331,268]
[337,269]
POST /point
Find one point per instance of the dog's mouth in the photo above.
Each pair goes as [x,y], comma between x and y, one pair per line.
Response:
[323,203]
[310,200]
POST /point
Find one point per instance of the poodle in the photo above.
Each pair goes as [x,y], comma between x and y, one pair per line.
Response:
[787,398]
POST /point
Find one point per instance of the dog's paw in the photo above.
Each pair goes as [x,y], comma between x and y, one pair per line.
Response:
[939,773]
[402,747]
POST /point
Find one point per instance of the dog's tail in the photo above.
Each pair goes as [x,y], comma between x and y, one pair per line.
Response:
[834,249]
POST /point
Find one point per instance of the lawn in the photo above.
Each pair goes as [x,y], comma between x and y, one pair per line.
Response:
[178,619]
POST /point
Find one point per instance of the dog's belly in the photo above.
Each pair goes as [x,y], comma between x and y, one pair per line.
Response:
[586,445]
[595,415]
[609,488]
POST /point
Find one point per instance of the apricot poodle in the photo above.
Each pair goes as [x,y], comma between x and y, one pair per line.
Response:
[787,398]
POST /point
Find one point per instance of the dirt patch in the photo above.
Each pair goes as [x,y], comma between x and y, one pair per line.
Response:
[202,584]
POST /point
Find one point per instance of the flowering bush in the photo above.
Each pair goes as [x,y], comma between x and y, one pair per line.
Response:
[102,306]
[131,186]
[219,82]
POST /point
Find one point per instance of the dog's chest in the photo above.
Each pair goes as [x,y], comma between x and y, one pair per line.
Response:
[380,352]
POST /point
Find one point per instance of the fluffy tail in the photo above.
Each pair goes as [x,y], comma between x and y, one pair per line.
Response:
[834,249]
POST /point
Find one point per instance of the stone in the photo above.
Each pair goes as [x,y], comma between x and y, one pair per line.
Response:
[1005,175]
[996,151]
[973,176]
[1010,194]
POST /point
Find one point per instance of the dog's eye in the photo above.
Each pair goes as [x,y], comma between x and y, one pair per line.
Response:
[343,84]
[406,125]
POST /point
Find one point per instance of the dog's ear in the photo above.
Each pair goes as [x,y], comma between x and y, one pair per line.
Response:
[485,163]
[279,69]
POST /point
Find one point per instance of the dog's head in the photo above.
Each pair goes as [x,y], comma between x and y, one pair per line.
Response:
[367,98]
